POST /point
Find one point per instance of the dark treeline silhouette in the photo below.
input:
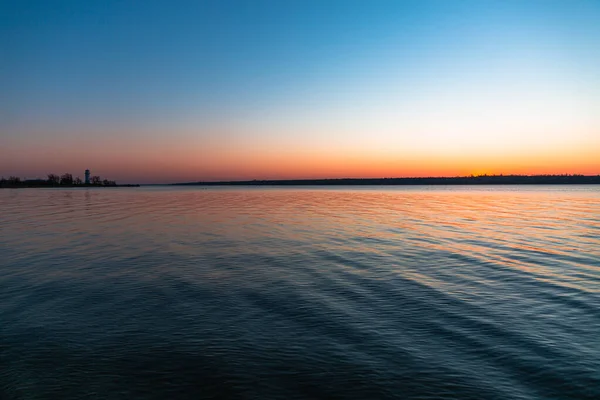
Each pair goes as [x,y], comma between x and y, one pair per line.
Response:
[54,180]
[566,179]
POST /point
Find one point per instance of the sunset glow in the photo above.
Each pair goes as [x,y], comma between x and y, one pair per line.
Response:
[216,91]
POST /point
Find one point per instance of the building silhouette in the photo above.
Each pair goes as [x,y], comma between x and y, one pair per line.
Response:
[87,176]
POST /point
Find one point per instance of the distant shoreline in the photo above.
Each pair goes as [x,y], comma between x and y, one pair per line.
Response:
[468,180]
[38,186]
[65,180]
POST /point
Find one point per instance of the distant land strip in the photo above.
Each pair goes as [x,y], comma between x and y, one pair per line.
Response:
[25,184]
[63,181]
[460,180]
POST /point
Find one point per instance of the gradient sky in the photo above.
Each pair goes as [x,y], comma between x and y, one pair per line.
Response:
[171,91]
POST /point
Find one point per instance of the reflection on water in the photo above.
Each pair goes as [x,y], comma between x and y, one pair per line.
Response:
[411,292]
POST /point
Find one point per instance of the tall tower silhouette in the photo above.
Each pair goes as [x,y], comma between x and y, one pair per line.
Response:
[87,176]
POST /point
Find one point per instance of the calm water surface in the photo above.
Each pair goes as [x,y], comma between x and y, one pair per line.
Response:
[308,293]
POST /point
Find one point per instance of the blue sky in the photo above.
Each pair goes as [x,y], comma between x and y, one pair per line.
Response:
[288,73]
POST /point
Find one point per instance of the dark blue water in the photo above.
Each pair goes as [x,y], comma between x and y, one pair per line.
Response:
[407,293]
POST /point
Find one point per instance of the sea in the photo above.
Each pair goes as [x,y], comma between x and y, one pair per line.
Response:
[408,292]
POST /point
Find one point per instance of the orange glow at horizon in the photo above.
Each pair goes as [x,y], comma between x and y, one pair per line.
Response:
[164,161]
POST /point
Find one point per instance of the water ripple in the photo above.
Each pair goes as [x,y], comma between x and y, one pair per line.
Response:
[366,293]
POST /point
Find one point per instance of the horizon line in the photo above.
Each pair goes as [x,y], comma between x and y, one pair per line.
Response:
[399,179]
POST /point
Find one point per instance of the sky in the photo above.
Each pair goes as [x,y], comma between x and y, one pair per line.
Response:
[176,91]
